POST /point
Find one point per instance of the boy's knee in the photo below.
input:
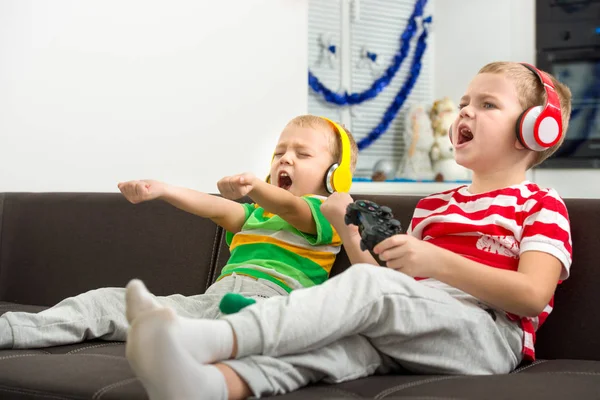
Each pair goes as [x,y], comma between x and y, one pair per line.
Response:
[385,278]
[363,271]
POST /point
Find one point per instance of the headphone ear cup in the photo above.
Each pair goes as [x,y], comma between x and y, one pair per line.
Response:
[518,130]
[329,184]
[338,179]
[341,179]
[526,131]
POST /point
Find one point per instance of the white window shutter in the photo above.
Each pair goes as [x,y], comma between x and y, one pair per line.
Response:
[324,29]
[376,27]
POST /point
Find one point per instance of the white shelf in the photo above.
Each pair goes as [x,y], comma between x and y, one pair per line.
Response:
[402,188]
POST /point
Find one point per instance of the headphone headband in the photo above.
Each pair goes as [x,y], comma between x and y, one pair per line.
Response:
[540,127]
[341,176]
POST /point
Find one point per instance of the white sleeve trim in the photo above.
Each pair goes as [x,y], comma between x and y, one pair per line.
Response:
[563,257]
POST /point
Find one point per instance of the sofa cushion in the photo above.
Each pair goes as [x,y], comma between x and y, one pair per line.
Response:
[564,379]
[93,370]
[99,370]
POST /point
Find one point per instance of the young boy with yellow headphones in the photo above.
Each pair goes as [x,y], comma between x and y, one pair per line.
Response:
[279,243]
[284,239]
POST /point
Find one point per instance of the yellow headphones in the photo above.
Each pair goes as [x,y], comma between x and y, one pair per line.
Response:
[339,176]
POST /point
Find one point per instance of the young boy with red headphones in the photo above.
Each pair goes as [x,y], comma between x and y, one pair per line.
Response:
[463,292]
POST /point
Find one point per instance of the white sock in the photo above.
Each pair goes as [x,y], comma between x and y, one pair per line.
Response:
[138,299]
[165,368]
[6,335]
[206,340]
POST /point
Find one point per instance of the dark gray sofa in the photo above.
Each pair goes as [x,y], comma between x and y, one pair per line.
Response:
[55,245]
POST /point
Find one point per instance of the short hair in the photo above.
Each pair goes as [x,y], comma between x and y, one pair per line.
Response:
[335,142]
[531,93]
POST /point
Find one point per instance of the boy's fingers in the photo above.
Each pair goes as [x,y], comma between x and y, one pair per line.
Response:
[230,185]
[392,241]
[246,178]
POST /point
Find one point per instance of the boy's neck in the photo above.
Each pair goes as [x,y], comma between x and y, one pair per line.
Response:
[488,182]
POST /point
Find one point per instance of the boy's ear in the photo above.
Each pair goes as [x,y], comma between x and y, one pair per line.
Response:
[530,154]
[519,145]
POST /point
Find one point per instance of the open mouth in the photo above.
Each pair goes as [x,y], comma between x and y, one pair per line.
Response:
[464,134]
[284,181]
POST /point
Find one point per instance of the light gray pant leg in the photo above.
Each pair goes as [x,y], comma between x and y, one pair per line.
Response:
[100,314]
[97,313]
[425,329]
[346,359]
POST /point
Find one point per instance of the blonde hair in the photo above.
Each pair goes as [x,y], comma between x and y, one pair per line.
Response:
[335,143]
[531,93]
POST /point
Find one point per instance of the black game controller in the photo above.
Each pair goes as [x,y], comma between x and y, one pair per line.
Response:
[375,223]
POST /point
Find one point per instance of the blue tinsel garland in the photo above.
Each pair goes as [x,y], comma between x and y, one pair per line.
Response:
[392,110]
[382,82]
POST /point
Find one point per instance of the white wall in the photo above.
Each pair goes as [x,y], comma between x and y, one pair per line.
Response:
[471,33]
[187,91]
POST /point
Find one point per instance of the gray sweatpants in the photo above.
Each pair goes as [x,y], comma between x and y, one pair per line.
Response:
[367,320]
[100,314]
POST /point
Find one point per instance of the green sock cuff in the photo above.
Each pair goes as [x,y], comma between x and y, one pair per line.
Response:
[234,302]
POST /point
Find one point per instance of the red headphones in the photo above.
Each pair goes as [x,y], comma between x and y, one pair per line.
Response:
[540,127]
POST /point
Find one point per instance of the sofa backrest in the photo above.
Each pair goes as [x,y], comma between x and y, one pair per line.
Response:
[573,328]
[55,245]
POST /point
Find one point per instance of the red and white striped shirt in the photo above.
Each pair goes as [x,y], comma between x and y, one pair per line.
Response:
[495,228]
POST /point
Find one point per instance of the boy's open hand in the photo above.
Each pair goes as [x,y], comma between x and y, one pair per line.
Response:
[139,191]
[409,255]
[237,186]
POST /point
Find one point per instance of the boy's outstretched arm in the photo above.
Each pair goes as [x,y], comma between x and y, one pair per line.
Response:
[226,213]
[524,292]
[334,209]
[270,197]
